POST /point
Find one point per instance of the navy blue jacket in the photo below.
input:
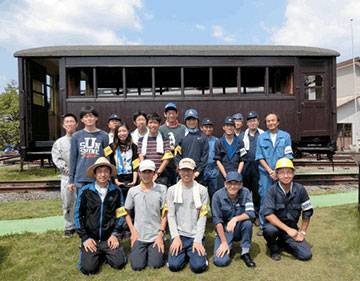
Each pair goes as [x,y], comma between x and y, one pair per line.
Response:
[194,146]
[223,209]
[222,155]
[96,219]
[288,208]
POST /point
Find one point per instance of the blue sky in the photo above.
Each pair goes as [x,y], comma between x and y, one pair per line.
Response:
[34,23]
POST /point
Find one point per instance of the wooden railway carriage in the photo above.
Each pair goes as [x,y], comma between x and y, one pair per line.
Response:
[297,82]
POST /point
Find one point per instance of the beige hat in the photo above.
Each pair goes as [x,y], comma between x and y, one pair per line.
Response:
[147,165]
[187,163]
[101,161]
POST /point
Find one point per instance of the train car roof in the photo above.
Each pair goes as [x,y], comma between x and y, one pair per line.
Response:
[176,50]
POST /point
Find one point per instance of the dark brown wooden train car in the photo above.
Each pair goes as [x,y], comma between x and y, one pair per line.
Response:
[297,82]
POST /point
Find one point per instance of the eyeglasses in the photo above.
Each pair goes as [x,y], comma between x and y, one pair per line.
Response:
[283,173]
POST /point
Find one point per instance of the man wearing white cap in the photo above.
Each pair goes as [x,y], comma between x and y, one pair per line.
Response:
[99,214]
[147,233]
[187,214]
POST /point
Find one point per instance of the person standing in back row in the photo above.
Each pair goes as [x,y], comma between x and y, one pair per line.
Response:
[61,157]
[271,146]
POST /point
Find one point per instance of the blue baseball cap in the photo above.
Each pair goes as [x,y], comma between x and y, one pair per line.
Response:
[252,115]
[114,116]
[229,120]
[191,113]
[238,116]
[233,176]
[206,121]
[169,106]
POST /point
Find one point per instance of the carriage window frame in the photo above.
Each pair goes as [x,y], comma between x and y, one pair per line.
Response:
[315,89]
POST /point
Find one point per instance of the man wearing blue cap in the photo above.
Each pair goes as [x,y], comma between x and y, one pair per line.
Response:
[232,211]
[113,120]
[229,152]
[251,167]
[171,129]
[239,122]
[211,172]
[193,144]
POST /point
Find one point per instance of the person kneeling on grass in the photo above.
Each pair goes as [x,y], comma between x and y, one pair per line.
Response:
[284,202]
[99,214]
[147,234]
[187,202]
[232,211]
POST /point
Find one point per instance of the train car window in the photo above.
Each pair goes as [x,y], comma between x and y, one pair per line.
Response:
[253,80]
[281,80]
[138,81]
[109,81]
[80,82]
[196,81]
[225,80]
[167,81]
[314,87]
[38,91]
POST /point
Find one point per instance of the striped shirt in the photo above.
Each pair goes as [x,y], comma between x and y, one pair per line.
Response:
[151,153]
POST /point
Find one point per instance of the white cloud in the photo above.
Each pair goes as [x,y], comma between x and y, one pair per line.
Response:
[219,33]
[148,16]
[200,26]
[321,23]
[31,23]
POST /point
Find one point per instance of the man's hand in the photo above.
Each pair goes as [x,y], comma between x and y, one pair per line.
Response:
[113,242]
[159,242]
[118,183]
[222,250]
[196,174]
[176,246]
[132,183]
[71,187]
[90,245]
[292,233]
[231,225]
[272,175]
[300,237]
[67,171]
[199,248]
[155,177]
[134,236]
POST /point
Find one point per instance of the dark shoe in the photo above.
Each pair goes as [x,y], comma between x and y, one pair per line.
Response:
[248,261]
[275,256]
[260,232]
[257,221]
[69,233]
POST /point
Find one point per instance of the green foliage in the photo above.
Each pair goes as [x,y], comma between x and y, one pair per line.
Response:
[9,116]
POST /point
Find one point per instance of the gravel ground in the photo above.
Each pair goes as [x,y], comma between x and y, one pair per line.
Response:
[26,196]
[53,195]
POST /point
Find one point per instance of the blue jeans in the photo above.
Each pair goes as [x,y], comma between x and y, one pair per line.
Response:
[197,263]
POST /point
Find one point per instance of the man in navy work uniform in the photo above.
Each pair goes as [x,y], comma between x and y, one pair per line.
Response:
[211,171]
[232,211]
[251,168]
[99,214]
[284,203]
[192,143]
[229,151]
[238,120]
[271,146]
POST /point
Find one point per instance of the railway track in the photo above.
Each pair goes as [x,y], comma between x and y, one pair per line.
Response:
[27,186]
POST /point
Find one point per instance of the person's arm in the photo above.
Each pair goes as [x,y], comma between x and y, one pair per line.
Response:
[267,168]
[57,157]
[273,219]
[201,225]
[80,216]
[241,167]
[73,161]
[176,244]
[224,246]
[159,242]
[288,149]
[204,154]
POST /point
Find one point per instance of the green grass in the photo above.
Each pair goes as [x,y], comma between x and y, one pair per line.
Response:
[30,209]
[333,236]
[32,173]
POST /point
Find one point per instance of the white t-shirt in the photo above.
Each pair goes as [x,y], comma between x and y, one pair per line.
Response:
[273,138]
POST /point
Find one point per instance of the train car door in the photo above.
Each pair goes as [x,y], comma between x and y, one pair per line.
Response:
[313,110]
[39,103]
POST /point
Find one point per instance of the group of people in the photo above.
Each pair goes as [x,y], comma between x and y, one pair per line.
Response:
[136,185]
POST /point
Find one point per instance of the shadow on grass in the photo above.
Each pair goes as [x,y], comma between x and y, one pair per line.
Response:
[4,253]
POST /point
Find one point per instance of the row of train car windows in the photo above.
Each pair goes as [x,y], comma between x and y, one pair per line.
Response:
[140,81]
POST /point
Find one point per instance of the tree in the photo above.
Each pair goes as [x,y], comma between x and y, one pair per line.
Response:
[9,116]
